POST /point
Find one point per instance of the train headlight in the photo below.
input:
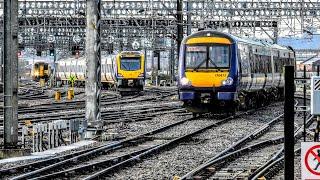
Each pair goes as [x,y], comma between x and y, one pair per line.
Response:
[120,75]
[228,81]
[141,75]
[185,81]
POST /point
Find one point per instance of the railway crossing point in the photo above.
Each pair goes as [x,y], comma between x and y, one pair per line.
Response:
[310,160]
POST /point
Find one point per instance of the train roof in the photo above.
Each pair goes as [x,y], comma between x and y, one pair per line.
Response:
[131,53]
[236,39]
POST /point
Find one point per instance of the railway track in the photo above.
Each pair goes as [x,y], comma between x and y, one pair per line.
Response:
[122,156]
[249,157]
[109,157]
[76,104]
[75,110]
[80,104]
[272,167]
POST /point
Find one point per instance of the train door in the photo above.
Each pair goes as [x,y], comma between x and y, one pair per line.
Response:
[268,69]
[253,68]
[244,64]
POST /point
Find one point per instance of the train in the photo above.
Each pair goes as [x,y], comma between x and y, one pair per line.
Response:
[219,72]
[124,71]
[41,70]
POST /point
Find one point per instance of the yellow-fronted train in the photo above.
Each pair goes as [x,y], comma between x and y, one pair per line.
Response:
[220,73]
[41,70]
[124,71]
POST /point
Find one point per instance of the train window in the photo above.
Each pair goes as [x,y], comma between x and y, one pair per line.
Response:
[130,64]
[269,65]
[196,56]
[218,56]
[205,57]
[252,63]
[243,59]
[246,60]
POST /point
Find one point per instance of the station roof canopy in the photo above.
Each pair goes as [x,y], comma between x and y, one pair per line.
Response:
[301,43]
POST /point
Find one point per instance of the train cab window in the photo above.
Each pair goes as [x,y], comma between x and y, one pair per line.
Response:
[130,64]
[207,57]
[196,57]
[218,57]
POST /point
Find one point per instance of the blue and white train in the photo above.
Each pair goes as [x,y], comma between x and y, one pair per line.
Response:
[221,72]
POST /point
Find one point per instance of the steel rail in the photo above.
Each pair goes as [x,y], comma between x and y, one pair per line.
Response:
[266,166]
[234,147]
[162,147]
[42,166]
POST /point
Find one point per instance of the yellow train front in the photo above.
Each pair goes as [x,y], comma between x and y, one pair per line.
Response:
[130,73]
[219,72]
[41,70]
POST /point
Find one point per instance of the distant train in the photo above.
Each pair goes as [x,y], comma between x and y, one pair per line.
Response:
[125,71]
[130,71]
[41,70]
[219,72]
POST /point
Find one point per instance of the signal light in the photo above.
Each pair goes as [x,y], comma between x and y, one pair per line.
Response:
[51,49]
[19,53]
[51,52]
[39,53]
[75,50]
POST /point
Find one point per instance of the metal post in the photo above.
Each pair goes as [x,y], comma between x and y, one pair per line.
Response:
[53,78]
[93,55]
[179,25]
[289,122]
[189,26]
[318,70]
[172,64]
[316,132]
[276,34]
[10,50]
[304,103]
[1,65]
[152,67]
[158,68]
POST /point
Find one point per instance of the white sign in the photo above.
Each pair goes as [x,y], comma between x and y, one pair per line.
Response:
[20,39]
[310,160]
[51,39]
[110,39]
[76,39]
[135,45]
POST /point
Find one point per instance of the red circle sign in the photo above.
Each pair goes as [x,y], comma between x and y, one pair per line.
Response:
[310,152]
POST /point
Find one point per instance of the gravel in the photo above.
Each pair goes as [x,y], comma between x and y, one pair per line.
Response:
[187,156]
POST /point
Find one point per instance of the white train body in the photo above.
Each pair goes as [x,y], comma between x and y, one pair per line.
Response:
[77,67]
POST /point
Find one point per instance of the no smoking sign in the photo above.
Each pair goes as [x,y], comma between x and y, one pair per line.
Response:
[310,160]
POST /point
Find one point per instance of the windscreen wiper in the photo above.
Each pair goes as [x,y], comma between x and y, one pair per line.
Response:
[125,66]
[196,68]
[215,65]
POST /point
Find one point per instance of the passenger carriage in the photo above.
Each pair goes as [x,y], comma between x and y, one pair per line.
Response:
[219,72]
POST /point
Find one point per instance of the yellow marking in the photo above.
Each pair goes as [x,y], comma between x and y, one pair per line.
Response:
[207,79]
[28,122]
[176,178]
[200,40]
[262,178]
[130,74]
